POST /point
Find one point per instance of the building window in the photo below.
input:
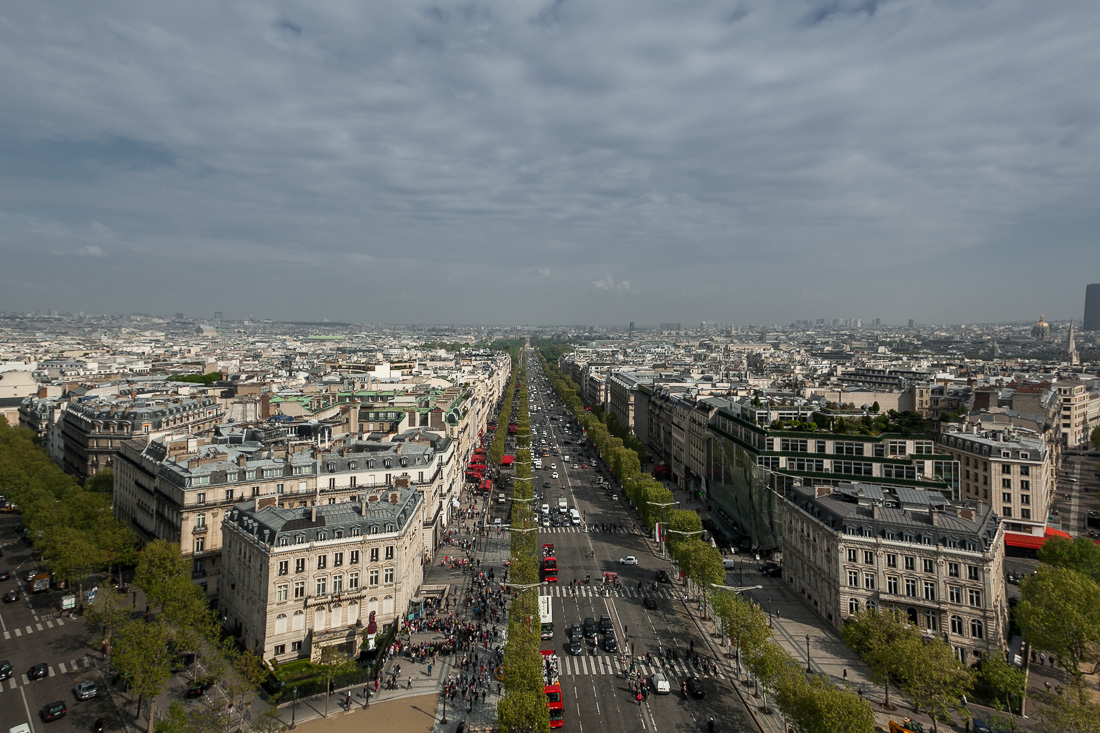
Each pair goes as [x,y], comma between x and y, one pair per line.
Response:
[975,598]
[1025,514]
[1005,468]
[1006,497]
[200,498]
[280,649]
[200,520]
[373,577]
[851,556]
[374,554]
[972,572]
[354,557]
[957,625]
[284,567]
[931,620]
[299,589]
[322,536]
[337,559]
[337,583]
[353,581]
[200,545]
[977,629]
[295,646]
[853,606]
[953,569]
[853,579]
[278,488]
[281,593]
[892,585]
[1006,512]
[868,558]
[389,552]
[229,494]
[928,565]
[869,581]
[891,561]
[910,587]
[1025,499]
[910,563]
[322,561]
[954,594]
[300,565]
[284,541]
[322,586]
[389,576]
[929,591]
[1025,470]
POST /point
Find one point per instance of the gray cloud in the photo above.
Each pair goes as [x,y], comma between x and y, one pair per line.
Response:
[867,159]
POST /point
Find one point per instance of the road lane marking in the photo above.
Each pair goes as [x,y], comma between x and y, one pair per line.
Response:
[39,627]
[62,666]
[18,632]
[7,635]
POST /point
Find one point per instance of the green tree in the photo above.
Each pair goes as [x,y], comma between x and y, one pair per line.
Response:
[1068,714]
[1058,612]
[816,704]
[770,665]
[101,482]
[162,571]
[109,611]
[936,680]
[332,662]
[141,656]
[1004,680]
[524,712]
[746,625]
[885,641]
[1080,554]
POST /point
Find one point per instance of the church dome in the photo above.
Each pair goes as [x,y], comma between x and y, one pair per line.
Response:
[1041,330]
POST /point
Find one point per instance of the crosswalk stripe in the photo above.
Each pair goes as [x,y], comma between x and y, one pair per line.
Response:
[18,632]
[7,635]
[62,667]
[39,626]
[49,624]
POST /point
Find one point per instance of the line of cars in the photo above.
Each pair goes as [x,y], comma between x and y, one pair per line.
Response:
[82,690]
[591,630]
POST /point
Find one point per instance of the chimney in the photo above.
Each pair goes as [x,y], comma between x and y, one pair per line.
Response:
[934,516]
[874,511]
[242,460]
[313,513]
[362,508]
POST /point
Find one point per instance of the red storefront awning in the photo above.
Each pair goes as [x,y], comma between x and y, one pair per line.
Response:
[1033,542]
[507,460]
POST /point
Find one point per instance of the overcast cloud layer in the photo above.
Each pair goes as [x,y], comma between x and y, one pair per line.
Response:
[551,162]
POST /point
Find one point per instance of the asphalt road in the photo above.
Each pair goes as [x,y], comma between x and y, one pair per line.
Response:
[32,633]
[596,693]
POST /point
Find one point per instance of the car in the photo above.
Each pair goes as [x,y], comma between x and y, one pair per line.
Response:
[554,474]
[695,687]
[29,575]
[199,686]
[614,497]
[99,725]
[628,560]
[5,669]
[52,711]
[576,466]
[771,570]
[610,645]
[38,671]
[553,465]
[662,577]
[660,683]
[546,484]
[85,690]
[606,626]
[584,466]
[575,647]
[11,596]
[649,602]
[590,629]
[574,631]
[5,575]
[729,562]
[546,521]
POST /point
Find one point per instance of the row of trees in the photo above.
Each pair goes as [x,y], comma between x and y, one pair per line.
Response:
[809,702]
[523,707]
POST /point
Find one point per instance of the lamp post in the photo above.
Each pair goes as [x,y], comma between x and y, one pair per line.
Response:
[808,668]
[444,721]
[770,612]
[294,708]
[662,506]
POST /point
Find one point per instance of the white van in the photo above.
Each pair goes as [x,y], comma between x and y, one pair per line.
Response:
[545,510]
[563,505]
[574,517]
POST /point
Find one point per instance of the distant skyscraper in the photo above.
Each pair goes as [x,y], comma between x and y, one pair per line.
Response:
[912,323]
[1092,308]
[217,315]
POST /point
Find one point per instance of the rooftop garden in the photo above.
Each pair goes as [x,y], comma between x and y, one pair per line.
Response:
[892,421]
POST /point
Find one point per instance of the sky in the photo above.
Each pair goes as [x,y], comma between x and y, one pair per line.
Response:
[555,162]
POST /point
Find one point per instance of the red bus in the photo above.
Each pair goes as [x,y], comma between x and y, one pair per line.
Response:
[552,687]
[550,569]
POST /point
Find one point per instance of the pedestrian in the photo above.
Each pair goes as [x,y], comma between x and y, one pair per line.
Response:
[410,685]
[429,669]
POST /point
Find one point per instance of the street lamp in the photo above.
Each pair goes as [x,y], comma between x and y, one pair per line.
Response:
[809,669]
[294,708]
[769,612]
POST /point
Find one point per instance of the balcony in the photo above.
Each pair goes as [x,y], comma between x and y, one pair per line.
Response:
[199,529]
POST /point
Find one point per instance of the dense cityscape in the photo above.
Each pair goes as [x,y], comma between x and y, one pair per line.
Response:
[320,518]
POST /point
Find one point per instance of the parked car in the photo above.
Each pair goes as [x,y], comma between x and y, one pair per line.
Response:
[52,711]
[770,568]
[85,690]
[5,575]
[729,562]
[199,686]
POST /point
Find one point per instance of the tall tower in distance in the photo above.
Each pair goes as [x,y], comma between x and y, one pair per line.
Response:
[1092,308]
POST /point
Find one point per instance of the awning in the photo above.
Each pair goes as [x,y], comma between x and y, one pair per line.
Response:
[507,460]
[1033,542]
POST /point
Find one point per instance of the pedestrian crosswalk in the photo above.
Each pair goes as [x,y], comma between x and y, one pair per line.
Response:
[594,590]
[20,679]
[32,628]
[611,665]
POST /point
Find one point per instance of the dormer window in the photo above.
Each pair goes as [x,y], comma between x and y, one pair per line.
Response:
[356,532]
[971,546]
[926,539]
[868,532]
[370,464]
[332,468]
[322,536]
[337,534]
[907,537]
[374,529]
[284,541]
[389,526]
[299,539]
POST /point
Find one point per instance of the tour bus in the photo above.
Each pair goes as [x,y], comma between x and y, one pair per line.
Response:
[546,614]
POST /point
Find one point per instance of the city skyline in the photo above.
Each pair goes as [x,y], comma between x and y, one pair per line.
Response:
[416,163]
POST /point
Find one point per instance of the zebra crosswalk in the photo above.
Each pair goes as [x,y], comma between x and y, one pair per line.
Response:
[73,665]
[610,665]
[39,625]
[594,590]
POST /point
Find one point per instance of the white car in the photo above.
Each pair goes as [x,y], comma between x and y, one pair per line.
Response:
[577,466]
[553,465]
[554,474]
[660,683]
[729,562]
[628,560]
